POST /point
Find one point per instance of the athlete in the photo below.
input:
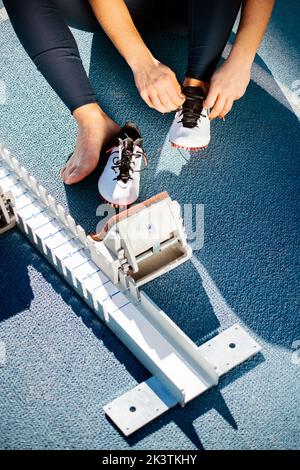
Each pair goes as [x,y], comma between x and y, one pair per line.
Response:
[207,92]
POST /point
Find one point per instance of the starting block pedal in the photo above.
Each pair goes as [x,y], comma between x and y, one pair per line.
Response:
[7,216]
[146,240]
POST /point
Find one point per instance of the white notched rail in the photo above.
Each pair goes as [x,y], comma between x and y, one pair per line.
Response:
[181,371]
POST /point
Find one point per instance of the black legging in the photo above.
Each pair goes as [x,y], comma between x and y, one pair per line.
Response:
[42,27]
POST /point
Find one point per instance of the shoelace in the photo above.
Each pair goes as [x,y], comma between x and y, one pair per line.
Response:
[125,164]
[191,111]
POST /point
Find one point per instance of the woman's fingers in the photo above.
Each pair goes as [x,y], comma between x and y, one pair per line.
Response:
[227,84]
[227,107]
[172,99]
[169,92]
[146,98]
[164,97]
[180,97]
[156,102]
[218,107]
[159,87]
[211,97]
[159,100]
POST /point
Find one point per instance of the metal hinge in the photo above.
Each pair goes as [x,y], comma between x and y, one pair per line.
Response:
[7,215]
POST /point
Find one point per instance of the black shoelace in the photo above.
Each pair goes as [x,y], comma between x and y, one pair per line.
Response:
[192,110]
[125,164]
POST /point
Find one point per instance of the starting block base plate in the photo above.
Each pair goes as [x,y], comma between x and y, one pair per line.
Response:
[148,400]
[141,405]
[229,349]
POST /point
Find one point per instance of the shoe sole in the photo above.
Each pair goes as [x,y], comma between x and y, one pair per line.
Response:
[188,148]
[114,205]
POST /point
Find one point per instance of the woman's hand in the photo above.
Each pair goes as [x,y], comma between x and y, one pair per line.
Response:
[157,85]
[228,84]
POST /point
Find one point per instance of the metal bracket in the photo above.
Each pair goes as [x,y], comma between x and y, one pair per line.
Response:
[7,216]
[141,405]
[181,371]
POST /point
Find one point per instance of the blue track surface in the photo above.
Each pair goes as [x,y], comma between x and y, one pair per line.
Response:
[62,364]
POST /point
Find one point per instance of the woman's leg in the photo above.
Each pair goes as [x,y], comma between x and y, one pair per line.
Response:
[210,24]
[79,14]
[47,39]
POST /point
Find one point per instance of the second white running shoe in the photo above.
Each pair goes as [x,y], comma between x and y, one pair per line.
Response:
[119,184]
[191,126]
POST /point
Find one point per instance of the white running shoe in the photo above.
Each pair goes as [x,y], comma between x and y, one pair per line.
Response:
[119,184]
[191,126]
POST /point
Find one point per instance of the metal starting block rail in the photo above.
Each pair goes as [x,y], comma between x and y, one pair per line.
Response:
[106,272]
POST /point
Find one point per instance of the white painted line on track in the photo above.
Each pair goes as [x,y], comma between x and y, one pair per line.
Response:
[3,15]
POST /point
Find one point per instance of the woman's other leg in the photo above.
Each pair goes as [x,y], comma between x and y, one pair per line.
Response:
[210,25]
[79,14]
[47,39]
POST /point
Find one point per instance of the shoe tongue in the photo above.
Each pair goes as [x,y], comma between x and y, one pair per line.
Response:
[128,143]
[193,106]
[130,130]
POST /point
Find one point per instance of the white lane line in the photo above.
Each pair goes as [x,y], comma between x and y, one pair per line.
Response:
[3,15]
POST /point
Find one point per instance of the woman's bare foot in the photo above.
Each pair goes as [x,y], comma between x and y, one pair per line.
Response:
[95,128]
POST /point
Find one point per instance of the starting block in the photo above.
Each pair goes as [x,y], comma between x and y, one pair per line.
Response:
[107,270]
[147,240]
